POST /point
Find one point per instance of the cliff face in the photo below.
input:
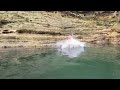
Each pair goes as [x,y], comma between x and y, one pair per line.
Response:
[37,28]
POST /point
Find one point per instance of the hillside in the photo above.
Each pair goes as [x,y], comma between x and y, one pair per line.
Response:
[41,28]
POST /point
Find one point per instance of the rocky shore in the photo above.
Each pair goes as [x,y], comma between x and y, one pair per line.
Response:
[43,29]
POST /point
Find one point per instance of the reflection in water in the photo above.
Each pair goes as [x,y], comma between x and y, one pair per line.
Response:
[71,52]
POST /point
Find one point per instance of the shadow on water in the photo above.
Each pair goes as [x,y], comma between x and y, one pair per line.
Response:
[97,62]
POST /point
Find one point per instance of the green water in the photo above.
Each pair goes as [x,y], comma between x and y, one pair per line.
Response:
[93,63]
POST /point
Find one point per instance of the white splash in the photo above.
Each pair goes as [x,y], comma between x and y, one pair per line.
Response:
[70,47]
[71,42]
[71,53]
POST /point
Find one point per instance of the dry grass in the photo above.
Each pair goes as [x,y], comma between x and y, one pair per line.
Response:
[35,28]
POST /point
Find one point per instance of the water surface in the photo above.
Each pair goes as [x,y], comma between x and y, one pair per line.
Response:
[90,63]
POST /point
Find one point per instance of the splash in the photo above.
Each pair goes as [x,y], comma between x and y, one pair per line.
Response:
[71,53]
[70,47]
[71,42]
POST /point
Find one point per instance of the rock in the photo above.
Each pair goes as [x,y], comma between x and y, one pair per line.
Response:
[116,28]
[6,46]
[6,31]
[80,37]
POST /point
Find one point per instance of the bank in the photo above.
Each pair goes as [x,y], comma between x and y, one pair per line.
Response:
[42,29]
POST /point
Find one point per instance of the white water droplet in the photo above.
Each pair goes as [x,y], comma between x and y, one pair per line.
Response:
[70,47]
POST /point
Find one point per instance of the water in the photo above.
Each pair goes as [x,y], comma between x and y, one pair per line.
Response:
[90,63]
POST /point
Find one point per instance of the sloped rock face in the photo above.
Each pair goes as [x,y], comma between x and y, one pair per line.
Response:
[104,37]
[39,27]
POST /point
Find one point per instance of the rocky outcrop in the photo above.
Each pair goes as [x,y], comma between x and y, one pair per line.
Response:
[35,28]
[104,37]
